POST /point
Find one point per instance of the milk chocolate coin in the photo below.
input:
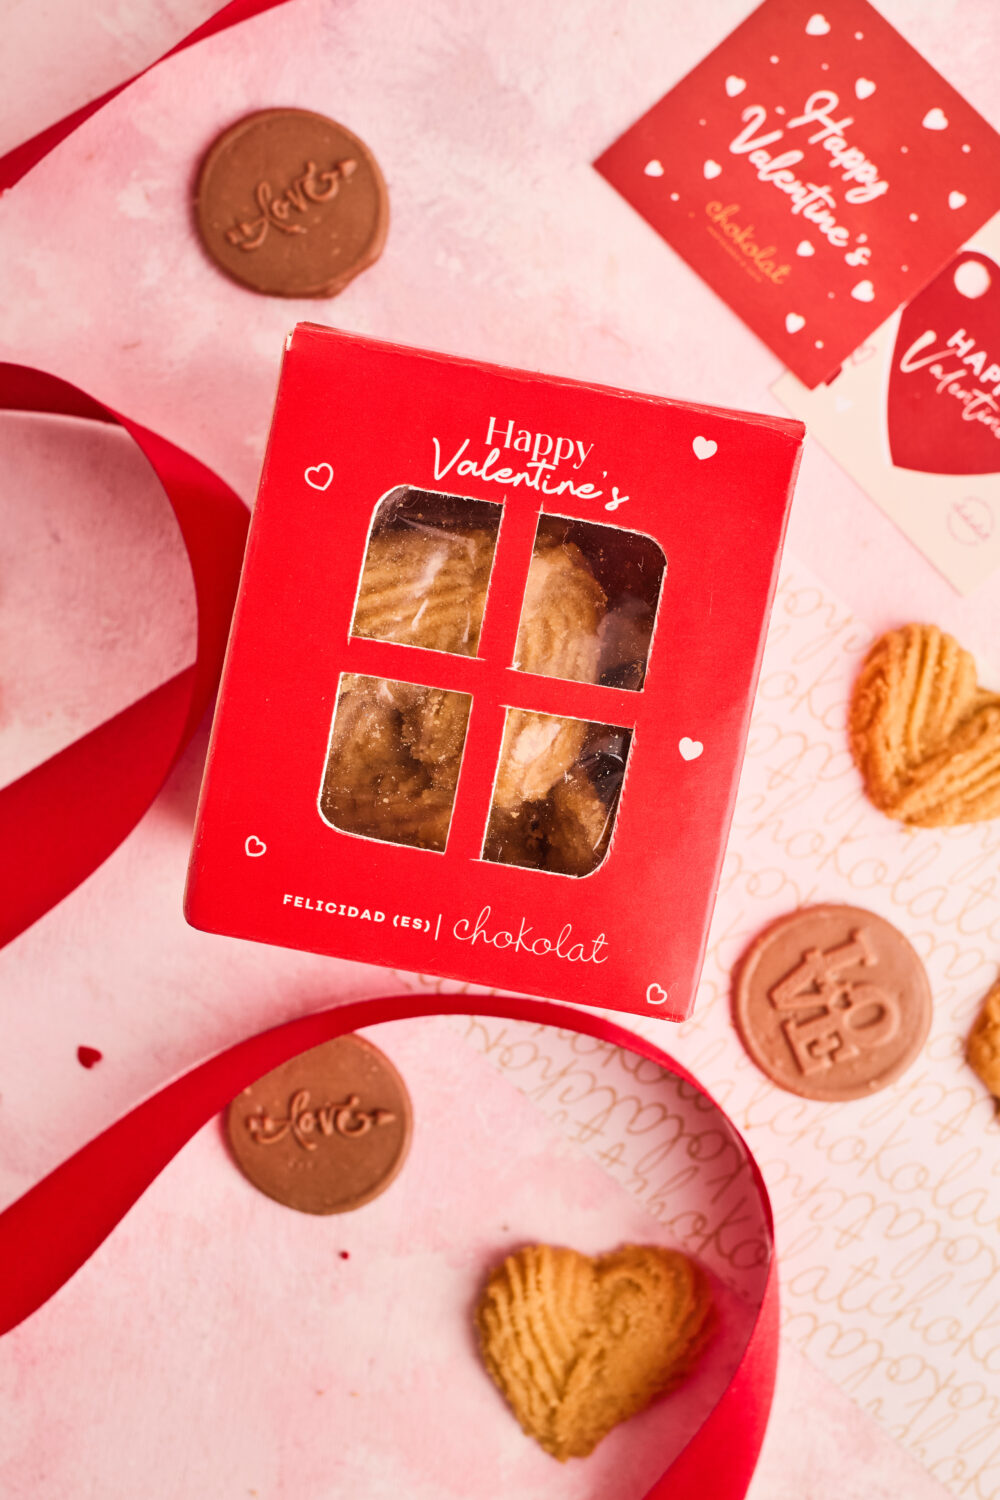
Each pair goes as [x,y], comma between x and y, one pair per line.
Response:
[325,1132]
[291,204]
[832,1003]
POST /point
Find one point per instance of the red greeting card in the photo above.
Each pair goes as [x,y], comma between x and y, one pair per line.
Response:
[490,674]
[816,171]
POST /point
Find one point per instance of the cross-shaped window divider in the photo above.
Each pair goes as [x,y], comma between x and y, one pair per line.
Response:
[492,682]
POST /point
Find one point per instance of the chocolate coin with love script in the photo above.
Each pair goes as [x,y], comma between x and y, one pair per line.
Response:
[325,1132]
[291,204]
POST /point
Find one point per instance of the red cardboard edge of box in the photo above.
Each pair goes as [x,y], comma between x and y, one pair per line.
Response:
[370,410]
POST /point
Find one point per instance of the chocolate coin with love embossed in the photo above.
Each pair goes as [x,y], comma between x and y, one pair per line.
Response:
[291,204]
[325,1132]
[832,1002]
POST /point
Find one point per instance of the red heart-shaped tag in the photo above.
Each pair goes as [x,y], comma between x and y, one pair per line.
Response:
[88,1056]
[944,382]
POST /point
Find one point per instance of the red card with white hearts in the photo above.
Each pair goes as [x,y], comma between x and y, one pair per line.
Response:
[816,171]
[914,415]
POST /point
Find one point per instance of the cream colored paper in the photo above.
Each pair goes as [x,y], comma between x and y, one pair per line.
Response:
[954,519]
[887,1209]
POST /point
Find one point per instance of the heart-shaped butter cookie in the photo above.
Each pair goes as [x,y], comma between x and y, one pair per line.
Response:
[924,734]
[577,1345]
[983,1046]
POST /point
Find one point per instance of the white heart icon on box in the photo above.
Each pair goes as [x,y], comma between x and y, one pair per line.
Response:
[704,447]
[690,749]
[935,119]
[864,88]
[653,168]
[956,200]
[711,169]
[320,476]
[735,85]
[863,292]
[794,321]
[805,247]
[255,847]
[656,994]
[817,25]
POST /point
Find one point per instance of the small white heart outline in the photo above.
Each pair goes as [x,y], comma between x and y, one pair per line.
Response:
[863,292]
[653,168]
[690,749]
[793,322]
[319,469]
[704,447]
[735,85]
[711,169]
[817,25]
[656,989]
[254,853]
[935,119]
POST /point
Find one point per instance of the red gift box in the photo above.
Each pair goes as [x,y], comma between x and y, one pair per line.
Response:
[490,674]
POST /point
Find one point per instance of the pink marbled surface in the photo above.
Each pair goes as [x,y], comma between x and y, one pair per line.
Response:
[504,245]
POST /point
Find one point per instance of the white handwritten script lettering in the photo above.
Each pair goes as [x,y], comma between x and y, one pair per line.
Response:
[524,941]
[814,201]
[545,454]
[951,366]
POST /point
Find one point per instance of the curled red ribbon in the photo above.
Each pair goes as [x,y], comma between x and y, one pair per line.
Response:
[58,1224]
[63,819]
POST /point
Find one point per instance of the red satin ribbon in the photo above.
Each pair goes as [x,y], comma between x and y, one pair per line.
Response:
[63,819]
[49,1233]
[14,165]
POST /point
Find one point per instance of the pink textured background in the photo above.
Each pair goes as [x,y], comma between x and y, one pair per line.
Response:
[504,245]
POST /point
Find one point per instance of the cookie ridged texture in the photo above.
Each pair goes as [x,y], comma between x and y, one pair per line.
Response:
[376,785]
[425,588]
[563,608]
[983,1046]
[538,750]
[577,1345]
[924,735]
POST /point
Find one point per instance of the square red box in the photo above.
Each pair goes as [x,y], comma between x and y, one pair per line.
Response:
[354,421]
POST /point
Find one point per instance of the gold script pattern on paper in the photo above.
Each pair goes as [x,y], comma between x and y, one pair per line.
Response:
[887,1209]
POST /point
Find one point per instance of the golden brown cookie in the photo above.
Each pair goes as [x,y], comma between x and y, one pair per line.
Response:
[924,734]
[537,751]
[374,785]
[561,616]
[422,586]
[557,637]
[577,1345]
[518,837]
[983,1046]
[433,726]
[578,826]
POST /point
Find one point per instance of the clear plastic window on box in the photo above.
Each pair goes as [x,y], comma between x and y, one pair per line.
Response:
[588,616]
